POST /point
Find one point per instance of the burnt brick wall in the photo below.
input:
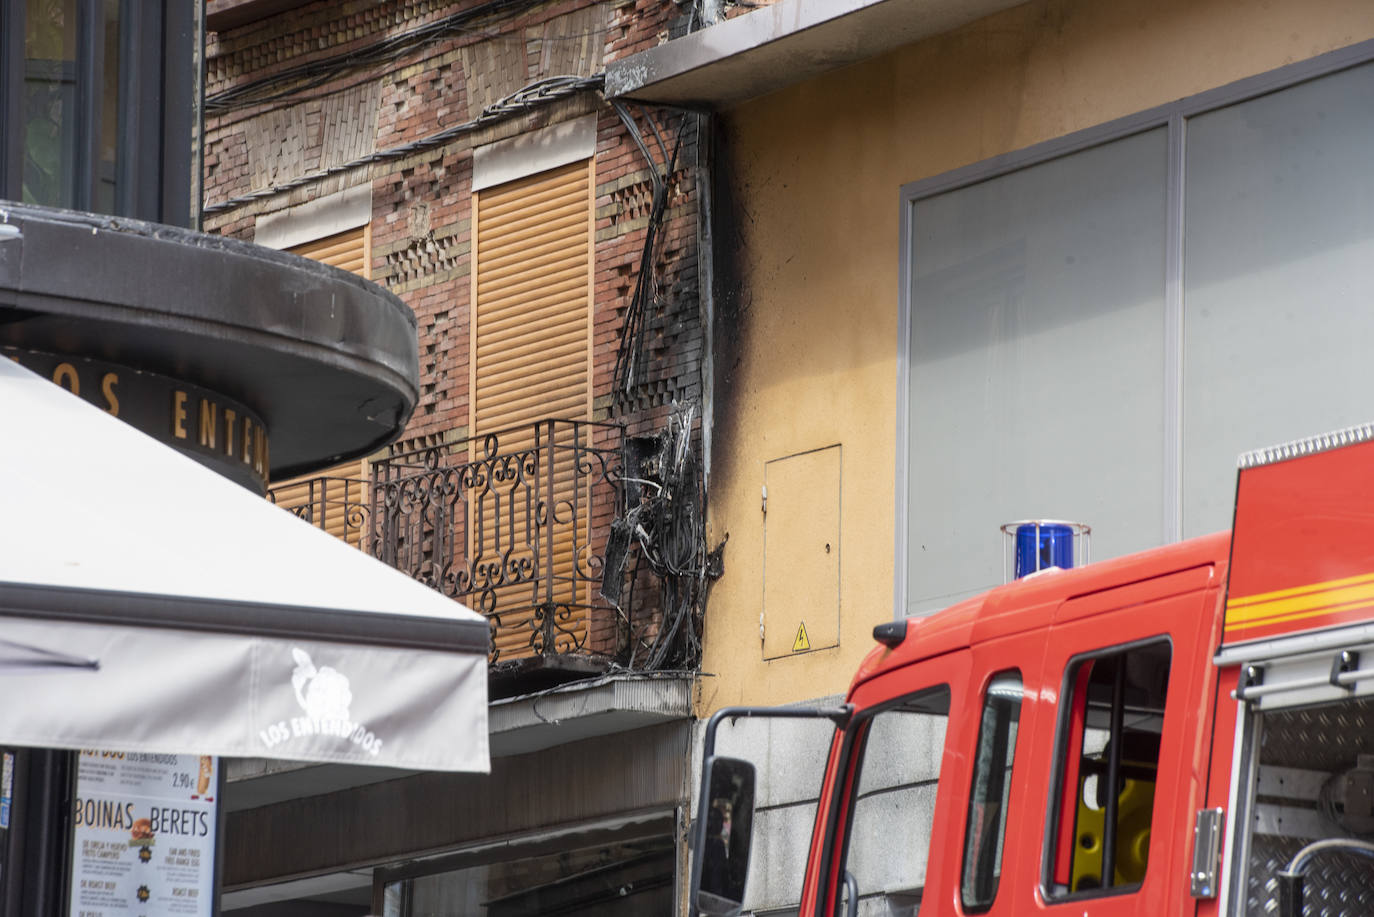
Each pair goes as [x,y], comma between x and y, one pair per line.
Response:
[421,202]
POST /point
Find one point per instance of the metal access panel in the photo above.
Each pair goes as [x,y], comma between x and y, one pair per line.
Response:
[1300,752]
[801,553]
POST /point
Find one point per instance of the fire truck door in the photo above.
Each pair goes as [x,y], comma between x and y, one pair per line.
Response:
[1127,769]
[1001,810]
[900,786]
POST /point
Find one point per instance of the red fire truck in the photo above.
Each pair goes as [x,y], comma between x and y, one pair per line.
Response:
[1188,730]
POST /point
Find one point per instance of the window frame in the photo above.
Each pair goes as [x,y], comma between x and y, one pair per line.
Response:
[981,907]
[856,751]
[1068,737]
[1172,116]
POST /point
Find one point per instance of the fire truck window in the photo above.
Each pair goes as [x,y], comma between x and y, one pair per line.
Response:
[987,809]
[1114,714]
[894,808]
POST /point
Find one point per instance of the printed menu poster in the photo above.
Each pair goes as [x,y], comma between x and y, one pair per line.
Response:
[143,835]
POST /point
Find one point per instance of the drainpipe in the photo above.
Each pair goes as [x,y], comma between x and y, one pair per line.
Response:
[706,288]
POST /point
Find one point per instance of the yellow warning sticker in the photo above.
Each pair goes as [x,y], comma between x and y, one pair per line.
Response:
[802,642]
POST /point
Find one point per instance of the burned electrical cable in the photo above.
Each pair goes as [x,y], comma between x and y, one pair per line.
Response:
[665,528]
[630,352]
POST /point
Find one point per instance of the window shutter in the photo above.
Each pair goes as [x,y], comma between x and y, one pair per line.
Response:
[531,361]
[335,499]
[533,281]
[348,250]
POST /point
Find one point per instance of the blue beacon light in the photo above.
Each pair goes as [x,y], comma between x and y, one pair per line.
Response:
[1032,545]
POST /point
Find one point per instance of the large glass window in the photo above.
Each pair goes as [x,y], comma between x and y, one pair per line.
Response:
[1279,242]
[894,807]
[1036,362]
[49,106]
[1062,363]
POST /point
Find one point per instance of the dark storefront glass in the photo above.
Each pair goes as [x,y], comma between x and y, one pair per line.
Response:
[619,878]
[98,105]
[49,118]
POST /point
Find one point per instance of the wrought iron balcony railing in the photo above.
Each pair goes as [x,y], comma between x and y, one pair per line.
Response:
[514,524]
[338,505]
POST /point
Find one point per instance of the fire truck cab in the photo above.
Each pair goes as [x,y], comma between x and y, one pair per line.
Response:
[1188,730]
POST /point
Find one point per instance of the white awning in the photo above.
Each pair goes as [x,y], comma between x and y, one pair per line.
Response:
[148,604]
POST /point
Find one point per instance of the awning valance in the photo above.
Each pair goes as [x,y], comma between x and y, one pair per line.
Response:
[213,621]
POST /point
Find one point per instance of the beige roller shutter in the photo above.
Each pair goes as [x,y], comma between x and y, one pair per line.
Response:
[531,346]
[335,499]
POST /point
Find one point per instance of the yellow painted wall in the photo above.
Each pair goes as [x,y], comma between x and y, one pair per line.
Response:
[806,355]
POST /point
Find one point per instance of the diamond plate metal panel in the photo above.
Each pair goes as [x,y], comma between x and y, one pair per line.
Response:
[1327,738]
[1338,884]
[1318,738]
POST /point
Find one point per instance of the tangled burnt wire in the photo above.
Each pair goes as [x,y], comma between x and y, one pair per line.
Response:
[665,527]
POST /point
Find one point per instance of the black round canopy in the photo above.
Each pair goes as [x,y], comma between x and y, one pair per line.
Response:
[327,360]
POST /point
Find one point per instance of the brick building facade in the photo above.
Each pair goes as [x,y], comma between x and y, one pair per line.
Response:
[387,103]
[461,155]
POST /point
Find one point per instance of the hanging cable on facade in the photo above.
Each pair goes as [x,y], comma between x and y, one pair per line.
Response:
[297,80]
[666,525]
[534,95]
[630,352]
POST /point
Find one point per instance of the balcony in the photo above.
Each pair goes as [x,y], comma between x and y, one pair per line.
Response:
[339,505]
[579,566]
[515,524]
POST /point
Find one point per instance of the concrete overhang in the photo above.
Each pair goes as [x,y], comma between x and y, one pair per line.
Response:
[222,15]
[328,360]
[782,44]
[604,706]
[584,710]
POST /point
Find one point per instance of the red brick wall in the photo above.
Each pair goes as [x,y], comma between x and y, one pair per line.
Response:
[421,203]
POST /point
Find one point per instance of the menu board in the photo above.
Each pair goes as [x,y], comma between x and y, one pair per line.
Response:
[143,837]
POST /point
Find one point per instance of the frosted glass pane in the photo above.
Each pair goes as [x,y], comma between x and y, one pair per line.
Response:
[1036,362]
[1278,279]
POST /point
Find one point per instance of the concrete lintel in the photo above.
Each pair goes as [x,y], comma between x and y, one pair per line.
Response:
[533,151]
[778,45]
[318,219]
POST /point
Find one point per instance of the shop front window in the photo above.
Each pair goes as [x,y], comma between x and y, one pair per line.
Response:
[96,103]
[1058,354]
[71,103]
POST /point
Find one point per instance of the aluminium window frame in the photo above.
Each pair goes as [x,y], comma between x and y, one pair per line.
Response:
[1174,117]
